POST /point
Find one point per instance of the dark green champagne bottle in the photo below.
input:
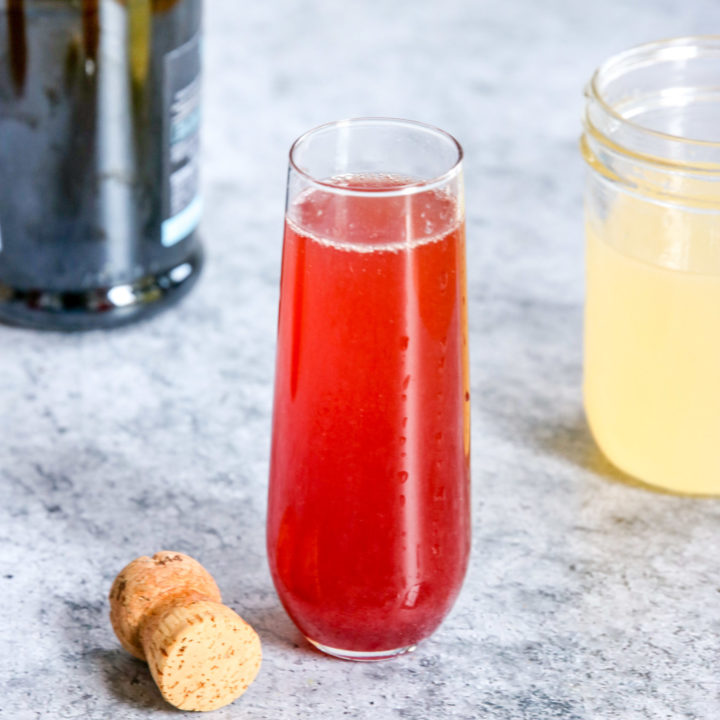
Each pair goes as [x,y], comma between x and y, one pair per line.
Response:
[99,155]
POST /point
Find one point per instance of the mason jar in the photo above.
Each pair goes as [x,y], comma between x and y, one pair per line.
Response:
[99,128]
[652,216]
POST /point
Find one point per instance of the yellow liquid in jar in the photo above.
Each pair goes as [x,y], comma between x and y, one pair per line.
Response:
[652,343]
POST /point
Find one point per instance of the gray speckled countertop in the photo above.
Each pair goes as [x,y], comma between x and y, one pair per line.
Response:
[587,597]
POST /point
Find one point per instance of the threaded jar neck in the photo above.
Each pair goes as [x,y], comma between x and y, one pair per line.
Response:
[652,120]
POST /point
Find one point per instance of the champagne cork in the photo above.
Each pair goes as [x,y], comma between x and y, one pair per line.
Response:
[168,611]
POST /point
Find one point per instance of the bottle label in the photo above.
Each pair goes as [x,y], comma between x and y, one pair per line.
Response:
[182,203]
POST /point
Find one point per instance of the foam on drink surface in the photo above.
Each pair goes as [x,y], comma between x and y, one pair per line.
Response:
[383,213]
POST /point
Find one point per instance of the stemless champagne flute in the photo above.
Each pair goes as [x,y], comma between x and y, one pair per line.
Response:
[368,520]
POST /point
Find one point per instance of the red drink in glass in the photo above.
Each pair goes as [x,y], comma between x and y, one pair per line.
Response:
[368,522]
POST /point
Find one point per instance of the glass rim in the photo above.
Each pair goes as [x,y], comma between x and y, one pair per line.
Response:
[410,188]
[613,67]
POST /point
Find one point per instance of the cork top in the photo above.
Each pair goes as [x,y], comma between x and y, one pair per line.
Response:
[147,584]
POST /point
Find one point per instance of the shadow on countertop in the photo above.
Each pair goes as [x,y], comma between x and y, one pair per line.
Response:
[572,440]
[91,645]
[277,631]
[128,679]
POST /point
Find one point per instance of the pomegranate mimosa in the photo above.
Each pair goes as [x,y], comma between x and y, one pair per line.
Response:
[368,522]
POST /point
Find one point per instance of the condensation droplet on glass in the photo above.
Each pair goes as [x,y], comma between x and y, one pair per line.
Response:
[411,596]
[404,342]
[402,501]
[441,363]
[403,439]
[404,422]
[406,382]
[402,476]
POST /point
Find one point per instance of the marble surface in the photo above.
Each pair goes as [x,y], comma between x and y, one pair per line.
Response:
[587,597]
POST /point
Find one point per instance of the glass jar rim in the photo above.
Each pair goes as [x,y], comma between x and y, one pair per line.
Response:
[410,188]
[676,48]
